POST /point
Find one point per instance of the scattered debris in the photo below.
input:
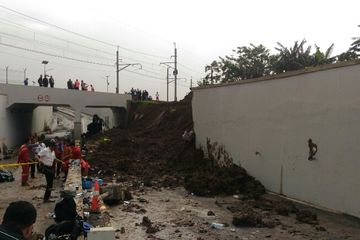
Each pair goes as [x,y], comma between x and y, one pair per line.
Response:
[217,225]
[247,219]
[306,216]
[211,213]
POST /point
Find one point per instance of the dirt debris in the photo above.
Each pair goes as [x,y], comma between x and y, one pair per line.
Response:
[150,155]
[152,150]
[306,216]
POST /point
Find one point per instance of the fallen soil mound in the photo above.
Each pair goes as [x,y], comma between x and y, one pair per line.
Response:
[151,151]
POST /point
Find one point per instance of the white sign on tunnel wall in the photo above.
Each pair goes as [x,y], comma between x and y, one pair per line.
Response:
[43,98]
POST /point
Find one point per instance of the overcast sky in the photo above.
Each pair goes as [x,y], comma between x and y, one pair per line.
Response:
[146,30]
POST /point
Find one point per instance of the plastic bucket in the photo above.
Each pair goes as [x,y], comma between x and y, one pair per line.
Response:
[87,184]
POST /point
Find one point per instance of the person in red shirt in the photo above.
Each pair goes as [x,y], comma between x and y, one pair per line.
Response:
[24,157]
[67,154]
[85,166]
[76,154]
[77,84]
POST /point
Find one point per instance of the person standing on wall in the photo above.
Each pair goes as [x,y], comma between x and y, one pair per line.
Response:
[157,96]
[69,84]
[45,81]
[51,82]
[77,84]
[46,158]
[40,81]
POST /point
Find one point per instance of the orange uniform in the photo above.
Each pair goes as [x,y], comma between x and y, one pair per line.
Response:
[24,157]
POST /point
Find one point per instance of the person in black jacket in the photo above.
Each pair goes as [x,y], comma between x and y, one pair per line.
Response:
[70,84]
[40,81]
[45,81]
[18,221]
[51,82]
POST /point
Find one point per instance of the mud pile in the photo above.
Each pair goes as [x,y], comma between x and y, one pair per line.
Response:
[151,152]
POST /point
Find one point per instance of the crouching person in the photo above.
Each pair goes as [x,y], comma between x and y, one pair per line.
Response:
[18,221]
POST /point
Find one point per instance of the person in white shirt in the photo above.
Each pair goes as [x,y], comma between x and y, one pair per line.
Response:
[46,158]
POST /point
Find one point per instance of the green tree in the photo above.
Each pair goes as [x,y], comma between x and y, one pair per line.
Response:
[213,73]
[320,58]
[293,58]
[352,53]
[249,62]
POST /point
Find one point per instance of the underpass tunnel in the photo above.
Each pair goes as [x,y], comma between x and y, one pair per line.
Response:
[19,122]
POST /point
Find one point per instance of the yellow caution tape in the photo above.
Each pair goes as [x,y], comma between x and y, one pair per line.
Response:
[17,164]
[22,164]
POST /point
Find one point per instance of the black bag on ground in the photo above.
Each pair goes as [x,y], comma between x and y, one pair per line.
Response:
[66,230]
[6,176]
[65,210]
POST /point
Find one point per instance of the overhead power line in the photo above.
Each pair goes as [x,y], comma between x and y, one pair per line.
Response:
[9,23]
[53,46]
[58,27]
[145,75]
[55,55]
[55,63]
[79,34]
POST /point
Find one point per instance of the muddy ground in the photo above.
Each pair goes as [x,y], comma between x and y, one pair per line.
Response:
[183,193]
[175,213]
[177,193]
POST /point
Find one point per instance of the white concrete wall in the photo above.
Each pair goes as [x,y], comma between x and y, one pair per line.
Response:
[42,116]
[276,118]
[3,128]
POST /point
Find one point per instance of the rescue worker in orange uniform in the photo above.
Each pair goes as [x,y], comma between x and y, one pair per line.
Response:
[76,154]
[24,157]
[67,154]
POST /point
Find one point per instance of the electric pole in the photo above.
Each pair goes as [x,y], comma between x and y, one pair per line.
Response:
[117,70]
[7,74]
[24,73]
[175,71]
[167,84]
[125,65]
[167,77]
[191,83]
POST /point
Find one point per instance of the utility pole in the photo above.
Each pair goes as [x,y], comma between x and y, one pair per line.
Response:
[125,65]
[117,70]
[167,77]
[24,73]
[167,84]
[191,83]
[175,71]
[7,74]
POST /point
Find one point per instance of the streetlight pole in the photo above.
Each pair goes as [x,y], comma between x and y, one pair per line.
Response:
[24,73]
[45,62]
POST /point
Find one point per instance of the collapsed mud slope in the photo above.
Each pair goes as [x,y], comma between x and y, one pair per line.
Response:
[151,159]
[151,150]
